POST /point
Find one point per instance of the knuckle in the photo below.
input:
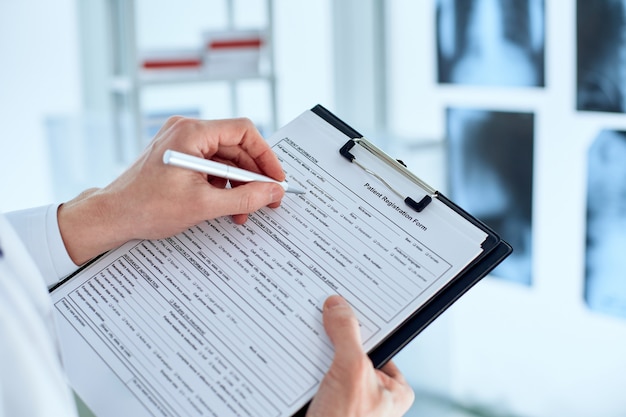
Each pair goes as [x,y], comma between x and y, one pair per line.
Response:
[175,120]
[244,121]
[244,124]
[249,202]
[172,124]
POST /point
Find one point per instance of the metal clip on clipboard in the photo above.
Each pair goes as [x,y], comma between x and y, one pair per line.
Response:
[415,205]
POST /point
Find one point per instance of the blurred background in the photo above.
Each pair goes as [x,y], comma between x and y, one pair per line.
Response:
[513,108]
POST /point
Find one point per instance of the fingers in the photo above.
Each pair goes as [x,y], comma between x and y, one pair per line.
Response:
[253,155]
[352,386]
[234,140]
[229,140]
[392,371]
[392,380]
[244,199]
[342,328]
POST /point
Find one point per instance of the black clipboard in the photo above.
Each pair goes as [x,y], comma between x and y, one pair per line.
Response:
[495,250]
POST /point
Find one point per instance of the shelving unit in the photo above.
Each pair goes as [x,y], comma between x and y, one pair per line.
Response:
[126,83]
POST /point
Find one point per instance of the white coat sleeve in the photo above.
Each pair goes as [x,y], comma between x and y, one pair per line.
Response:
[38,228]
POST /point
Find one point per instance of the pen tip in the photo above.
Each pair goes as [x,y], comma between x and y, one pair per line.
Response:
[294,190]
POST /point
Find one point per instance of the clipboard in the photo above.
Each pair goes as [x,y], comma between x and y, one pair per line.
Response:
[104,347]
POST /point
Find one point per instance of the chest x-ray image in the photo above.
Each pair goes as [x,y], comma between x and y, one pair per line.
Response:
[605,288]
[491,42]
[490,166]
[601,55]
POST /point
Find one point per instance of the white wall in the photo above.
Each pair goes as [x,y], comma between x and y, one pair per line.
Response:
[39,76]
[304,65]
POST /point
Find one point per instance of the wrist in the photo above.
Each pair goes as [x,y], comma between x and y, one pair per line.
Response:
[89,226]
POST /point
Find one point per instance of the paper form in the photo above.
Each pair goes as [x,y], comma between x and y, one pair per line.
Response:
[225,319]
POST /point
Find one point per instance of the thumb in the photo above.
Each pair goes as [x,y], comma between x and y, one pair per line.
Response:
[246,198]
[342,328]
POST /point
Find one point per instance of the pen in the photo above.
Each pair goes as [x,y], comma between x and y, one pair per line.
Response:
[218,169]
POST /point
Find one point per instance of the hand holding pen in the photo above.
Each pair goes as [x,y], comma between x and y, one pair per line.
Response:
[218,169]
[151,200]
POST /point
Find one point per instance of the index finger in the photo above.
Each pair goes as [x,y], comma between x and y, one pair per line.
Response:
[241,144]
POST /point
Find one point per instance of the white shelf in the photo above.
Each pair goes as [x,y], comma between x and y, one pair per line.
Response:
[159,79]
[129,80]
[124,84]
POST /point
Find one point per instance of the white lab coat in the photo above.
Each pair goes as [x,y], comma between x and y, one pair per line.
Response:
[32,382]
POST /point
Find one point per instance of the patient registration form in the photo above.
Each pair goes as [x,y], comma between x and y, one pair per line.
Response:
[225,319]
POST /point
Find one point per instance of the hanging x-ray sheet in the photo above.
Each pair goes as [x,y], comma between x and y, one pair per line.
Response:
[491,173]
[601,55]
[605,288]
[491,42]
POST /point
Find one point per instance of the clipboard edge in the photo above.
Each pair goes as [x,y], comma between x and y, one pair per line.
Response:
[78,271]
[342,126]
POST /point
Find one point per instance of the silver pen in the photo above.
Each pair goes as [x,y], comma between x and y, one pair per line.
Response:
[218,169]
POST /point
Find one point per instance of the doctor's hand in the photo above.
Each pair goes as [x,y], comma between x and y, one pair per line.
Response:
[352,387]
[151,200]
